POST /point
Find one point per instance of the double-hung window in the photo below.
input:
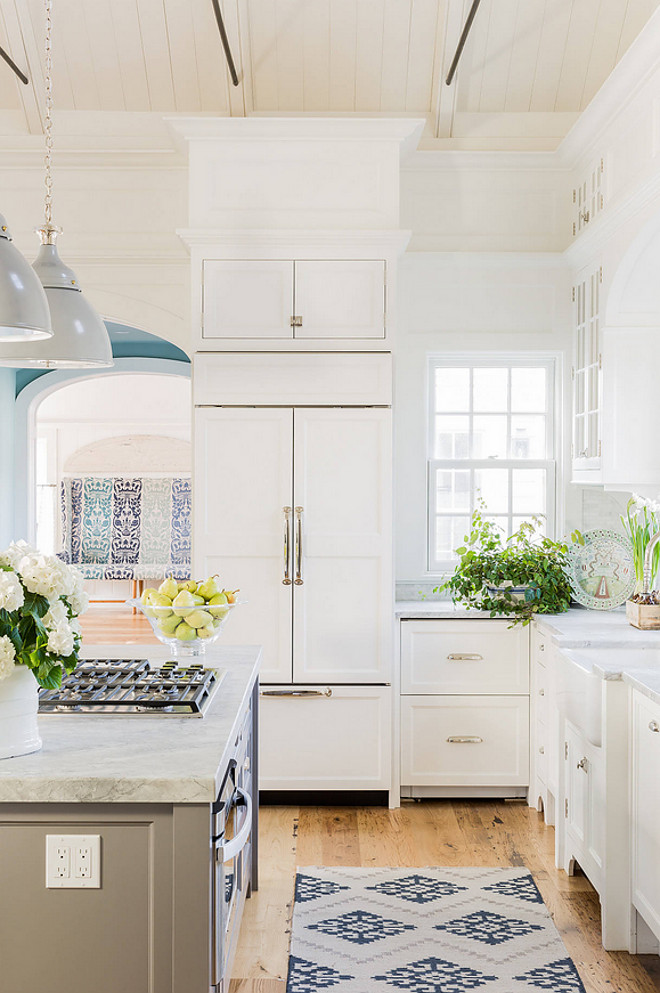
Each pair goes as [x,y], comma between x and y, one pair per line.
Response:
[491,435]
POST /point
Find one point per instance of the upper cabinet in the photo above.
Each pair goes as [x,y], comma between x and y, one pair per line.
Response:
[269,301]
[586,375]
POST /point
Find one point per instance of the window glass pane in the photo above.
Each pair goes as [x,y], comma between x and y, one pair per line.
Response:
[528,491]
[452,389]
[449,535]
[528,436]
[490,389]
[452,436]
[528,390]
[452,490]
[493,486]
[489,437]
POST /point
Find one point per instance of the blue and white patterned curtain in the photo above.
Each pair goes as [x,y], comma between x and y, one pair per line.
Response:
[127,528]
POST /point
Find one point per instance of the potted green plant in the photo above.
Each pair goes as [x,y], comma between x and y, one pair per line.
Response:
[641,522]
[518,577]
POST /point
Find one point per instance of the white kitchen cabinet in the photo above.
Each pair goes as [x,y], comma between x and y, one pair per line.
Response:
[646,810]
[584,806]
[308,300]
[293,505]
[465,741]
[587,378]
[325,738]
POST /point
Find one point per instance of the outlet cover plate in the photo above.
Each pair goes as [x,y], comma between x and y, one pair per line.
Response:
[73,861]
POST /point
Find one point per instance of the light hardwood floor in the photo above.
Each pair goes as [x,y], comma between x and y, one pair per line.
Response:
[448,832]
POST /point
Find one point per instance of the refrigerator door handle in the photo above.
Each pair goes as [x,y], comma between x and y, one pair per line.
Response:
[287,546]
[298,581]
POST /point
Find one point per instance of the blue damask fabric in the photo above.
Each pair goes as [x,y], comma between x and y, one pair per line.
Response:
[127,528]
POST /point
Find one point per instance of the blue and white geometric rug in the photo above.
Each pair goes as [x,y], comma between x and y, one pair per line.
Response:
[424,931]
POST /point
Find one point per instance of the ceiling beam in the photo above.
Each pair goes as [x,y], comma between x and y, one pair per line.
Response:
[20,35]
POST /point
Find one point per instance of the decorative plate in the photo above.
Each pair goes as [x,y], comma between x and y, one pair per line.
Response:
[602,570]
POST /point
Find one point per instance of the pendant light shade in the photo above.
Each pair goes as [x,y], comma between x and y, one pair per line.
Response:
[24,312]
[80,338]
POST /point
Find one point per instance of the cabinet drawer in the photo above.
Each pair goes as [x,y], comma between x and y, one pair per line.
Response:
[464,741]
[463,657]
[339,741]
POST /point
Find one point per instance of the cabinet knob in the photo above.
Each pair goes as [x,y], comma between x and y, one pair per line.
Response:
[654,726]
[582,764]
[541,692]
[541,749]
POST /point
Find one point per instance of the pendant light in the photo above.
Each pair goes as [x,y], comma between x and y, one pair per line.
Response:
[80,338]
[24,312]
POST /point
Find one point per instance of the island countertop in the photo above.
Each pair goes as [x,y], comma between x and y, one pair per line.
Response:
[102,759]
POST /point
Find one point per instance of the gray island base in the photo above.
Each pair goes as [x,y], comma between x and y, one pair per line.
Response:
[169,798]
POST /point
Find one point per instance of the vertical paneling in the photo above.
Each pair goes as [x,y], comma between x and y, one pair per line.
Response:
[607,38]
[103,43]
[211,63]
[556,22]
[263,42]
[396,31]
[524,54]
[316,55]
[131,54]
[421,52]
[183,53]
[498,61]
[73,44]
[369,54]
[290,65]
[156,52]
[473,60]
[578,52]
[343,30]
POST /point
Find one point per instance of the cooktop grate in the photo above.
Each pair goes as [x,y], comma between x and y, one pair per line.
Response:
[132,686]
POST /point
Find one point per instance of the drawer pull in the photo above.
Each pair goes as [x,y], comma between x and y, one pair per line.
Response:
[300,693]
[465,657]
[464,739]
[654,726]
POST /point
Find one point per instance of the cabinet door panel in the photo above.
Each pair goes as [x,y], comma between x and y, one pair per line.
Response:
[242,477]
[247,299]
[340,299]
[343,609]
[646,810]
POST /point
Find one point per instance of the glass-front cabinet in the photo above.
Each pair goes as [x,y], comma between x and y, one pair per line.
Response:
[586,375]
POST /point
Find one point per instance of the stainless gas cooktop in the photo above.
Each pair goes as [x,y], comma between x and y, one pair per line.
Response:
[124,687]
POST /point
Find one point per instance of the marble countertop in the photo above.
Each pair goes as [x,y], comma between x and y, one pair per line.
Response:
[101,759]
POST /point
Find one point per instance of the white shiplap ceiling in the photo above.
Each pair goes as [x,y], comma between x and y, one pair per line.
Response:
[530,57]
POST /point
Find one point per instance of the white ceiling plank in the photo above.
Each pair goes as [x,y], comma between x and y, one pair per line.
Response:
[212,72]
[183,53]
[579,47]
[263,35]
[9,96]
[421,52]
[524,55]
[607,38]
[131,54]
[468,78]
[238,98]
[290,34]
[369,54]
[156,51]
[70,37]
[497,63]
[343,34]
[316,55]
[103,43]
[637,14]
[443,97]
[554,33]
[396,34]
[22,45]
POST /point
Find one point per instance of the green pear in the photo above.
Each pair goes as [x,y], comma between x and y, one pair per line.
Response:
[168,625]
[161,601]
[169,587]
[199,600]
[206,632]
[199,619]
[217,605]
[184,632]
[147,594]
[208,588]
[183,603]
[187,584]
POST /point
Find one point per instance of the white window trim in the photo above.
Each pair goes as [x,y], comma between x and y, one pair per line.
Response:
[552,363]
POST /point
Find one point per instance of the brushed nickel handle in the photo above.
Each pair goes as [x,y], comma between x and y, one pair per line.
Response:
[298,581]
[465,657]
[582,764]
[464,739]
[327,692]
[287,550]
[654,726]
[541,692]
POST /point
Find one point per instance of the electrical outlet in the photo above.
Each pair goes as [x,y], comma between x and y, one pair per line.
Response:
[73,861]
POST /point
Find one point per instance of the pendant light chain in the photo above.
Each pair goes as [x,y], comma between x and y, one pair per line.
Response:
[48,121]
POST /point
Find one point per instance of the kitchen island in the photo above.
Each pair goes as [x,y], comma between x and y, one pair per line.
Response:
[166,795]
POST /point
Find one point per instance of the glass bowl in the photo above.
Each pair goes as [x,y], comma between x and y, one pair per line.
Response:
[186,630]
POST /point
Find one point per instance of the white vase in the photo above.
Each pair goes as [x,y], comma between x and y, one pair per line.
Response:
[19,702]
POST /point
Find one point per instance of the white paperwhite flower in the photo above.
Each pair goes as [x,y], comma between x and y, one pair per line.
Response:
[45,575]
[11,591]
[56,616]
[16,551]
[78,598]
[7,656]
[60,640]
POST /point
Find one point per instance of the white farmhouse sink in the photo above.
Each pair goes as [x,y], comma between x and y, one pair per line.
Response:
[580,694]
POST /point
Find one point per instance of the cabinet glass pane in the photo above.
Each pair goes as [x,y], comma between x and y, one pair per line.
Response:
[490,389]
[593,387]
[528,387]
[580,351]
[452,390]
[528,436]
[489,439]
[580,393]
[452,436]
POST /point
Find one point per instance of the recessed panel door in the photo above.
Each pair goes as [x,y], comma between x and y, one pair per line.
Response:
[343,596]
[340,299]
[242,482]
[247,298]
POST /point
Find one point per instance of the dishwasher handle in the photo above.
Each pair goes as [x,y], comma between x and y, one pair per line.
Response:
[226,850]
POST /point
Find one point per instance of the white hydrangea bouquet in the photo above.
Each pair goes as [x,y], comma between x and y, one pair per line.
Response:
[41,599]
